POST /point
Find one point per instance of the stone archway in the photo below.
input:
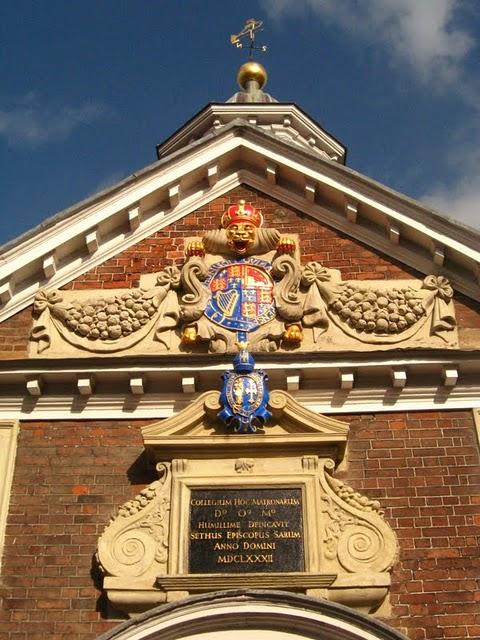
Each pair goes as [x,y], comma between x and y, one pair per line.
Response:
[252,615]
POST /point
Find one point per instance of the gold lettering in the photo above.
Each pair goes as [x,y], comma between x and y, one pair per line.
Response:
[258,546]
[211,524]
[226,546]
[268,524]
[266,502]
[286,534]
[220,502]
[203,535]
[250,535]
[255,558]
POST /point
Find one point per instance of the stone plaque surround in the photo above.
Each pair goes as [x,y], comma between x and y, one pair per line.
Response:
[268,475]
[349,549]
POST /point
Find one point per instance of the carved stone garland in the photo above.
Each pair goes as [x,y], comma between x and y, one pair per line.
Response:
[313,309]
[311,297]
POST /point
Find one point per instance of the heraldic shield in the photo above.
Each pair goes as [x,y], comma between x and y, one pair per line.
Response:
[241,294]
[244,395]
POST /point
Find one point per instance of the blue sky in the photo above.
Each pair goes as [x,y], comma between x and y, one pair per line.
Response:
[89,88]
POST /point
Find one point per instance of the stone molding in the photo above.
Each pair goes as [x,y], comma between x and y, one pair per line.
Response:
[239,613]
[286,122]
[388,381]
[196,430]
[8,447]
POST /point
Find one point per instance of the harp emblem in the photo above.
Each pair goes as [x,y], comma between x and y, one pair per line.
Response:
[241,294]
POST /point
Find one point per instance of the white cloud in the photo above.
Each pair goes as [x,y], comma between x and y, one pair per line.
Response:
[423,33]
[461,200]
[28,122]
[108,181]
[426,38]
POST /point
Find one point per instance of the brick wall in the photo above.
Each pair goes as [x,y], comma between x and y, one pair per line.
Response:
[333,249]
[166,247]
[14,334]
[70,477]
[425,470]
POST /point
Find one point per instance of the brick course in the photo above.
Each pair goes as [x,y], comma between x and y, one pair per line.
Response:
[318,242]
[71,477]
[14,334]
[424,468]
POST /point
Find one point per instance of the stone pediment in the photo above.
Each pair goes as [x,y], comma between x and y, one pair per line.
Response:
[84,236]
[196,431]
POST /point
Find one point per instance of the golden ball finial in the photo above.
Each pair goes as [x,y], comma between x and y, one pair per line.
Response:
[252,71]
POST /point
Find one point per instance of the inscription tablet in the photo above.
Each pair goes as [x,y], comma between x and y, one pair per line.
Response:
[246,530]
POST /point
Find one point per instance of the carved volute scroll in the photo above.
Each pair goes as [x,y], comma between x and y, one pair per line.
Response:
[135,543]
[287,300]
[240,278]
[195,298]
[356,538]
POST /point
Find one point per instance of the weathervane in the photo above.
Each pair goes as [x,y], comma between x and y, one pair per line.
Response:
[249,31]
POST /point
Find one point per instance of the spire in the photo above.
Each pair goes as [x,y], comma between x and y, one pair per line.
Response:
[252,76]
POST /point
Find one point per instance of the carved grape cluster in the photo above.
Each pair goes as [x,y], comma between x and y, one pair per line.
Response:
[353,498]
[140,501]
[111,318]
[377,311]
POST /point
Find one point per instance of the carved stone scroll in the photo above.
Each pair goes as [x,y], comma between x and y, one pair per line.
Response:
[356,537]
[135,543]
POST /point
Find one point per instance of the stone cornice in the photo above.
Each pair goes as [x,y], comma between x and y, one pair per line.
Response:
[287,118]
[109,388]
[239,154]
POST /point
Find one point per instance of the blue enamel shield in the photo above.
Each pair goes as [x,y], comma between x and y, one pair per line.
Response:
[244,395]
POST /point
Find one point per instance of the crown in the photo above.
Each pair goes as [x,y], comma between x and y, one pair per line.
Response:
[242,212]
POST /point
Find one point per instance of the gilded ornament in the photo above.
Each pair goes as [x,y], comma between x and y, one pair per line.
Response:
[286,245]
[293,334]
[250,71]
[189,336]
[240,223]
[195,248]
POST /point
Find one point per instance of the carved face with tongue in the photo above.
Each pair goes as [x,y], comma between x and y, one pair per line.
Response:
[241,236]
[240,223]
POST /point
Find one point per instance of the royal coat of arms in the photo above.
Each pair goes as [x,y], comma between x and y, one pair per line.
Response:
[241,296]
